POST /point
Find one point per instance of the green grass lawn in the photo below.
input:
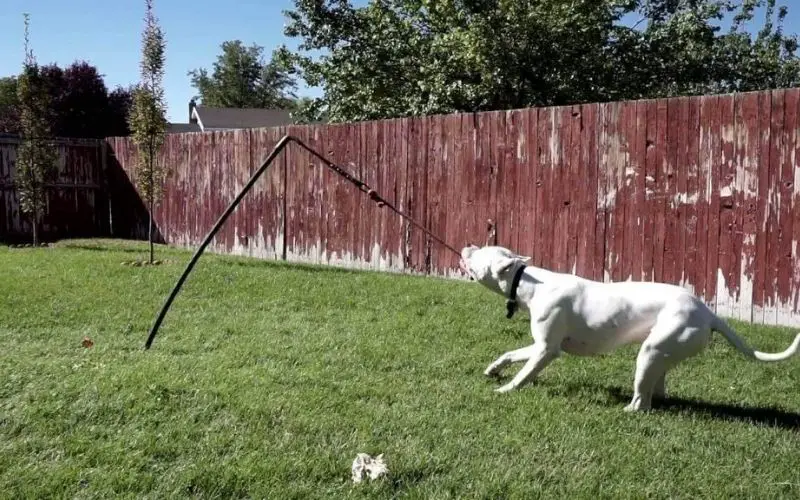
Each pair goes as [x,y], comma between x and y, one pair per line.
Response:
[267,379]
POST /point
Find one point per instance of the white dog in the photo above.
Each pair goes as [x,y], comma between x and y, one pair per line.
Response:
[584,317]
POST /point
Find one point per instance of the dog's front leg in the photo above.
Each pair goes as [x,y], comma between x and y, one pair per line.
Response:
[541,356]
[514,356]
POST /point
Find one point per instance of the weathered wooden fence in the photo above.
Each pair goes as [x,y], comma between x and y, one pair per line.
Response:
[703,192]
[77,200]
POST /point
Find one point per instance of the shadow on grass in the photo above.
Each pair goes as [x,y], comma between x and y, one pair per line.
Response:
[306,267]
[100,248]
[767,416]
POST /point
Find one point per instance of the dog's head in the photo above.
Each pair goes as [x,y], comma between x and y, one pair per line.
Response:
[491,266]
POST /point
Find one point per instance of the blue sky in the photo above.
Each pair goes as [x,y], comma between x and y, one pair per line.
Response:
[109,37]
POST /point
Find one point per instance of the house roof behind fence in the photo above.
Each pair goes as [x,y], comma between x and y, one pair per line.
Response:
[178,128]
[232,118]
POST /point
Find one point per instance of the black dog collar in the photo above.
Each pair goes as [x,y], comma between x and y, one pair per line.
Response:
[511,303]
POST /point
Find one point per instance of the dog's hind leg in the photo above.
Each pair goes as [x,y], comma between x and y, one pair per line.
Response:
[514,356]
[650,369]
[659,390]
[677,335]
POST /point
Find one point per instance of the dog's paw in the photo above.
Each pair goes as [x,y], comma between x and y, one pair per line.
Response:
[491,371]
[505,388]
[631,408]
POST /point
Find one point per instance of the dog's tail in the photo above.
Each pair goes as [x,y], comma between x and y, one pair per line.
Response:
[736,341]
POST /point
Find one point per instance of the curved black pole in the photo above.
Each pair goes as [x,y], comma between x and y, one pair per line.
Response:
[363,187]
[277,149]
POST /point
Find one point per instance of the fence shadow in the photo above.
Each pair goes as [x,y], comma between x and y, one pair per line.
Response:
[128,211]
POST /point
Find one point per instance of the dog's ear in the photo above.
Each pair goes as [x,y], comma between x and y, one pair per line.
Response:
[523,259]
[502,265]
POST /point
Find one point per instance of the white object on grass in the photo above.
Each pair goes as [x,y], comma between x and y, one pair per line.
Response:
[365,466]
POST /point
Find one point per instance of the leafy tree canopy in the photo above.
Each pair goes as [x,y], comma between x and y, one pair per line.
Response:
[80,104]
[240,78]
[408,57]
[9,105]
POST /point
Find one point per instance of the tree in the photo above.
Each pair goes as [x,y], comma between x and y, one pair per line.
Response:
[409,57]
[84,101]
[36,155]
[148,121]
[80,104]
[9,106]
[304,110]
[120,101]
[241,79]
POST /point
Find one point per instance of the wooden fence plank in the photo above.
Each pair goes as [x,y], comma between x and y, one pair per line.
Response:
[659,190]
[573,189]
[528,186]
[727,190]
[707,218]
[681,198]
[615,166]
[746,285]
[638,160]
[586,198]
[777,144]
[416,193]
[794,292]
[509,184]
[649,209]
[402,227]
[438,206]
[694,269]
[759,225]
[563,232]
[544,200]
[669,192]
[626,190]
[601,225]
[783,261]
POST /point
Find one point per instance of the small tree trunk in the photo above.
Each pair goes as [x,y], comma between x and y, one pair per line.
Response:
[150,231]
[35,221]
[150,201]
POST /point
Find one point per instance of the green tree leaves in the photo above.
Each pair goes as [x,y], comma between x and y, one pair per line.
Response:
[148,122]
[36,155]
[409,57]
[80,104]
[241,79]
